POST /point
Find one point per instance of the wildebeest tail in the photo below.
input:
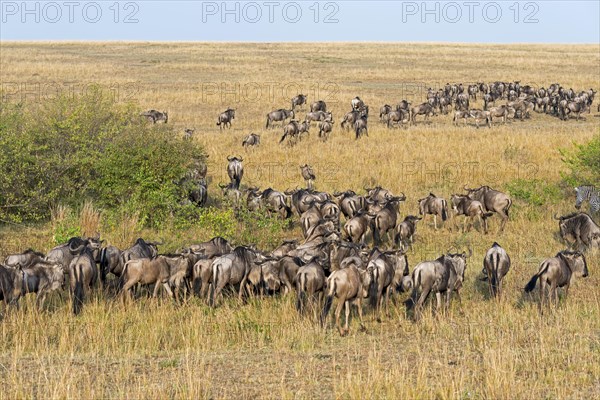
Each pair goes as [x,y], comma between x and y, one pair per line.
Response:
[412,300]
[373,288]
[531,284]
[444,210]
[282,138]
[300,288]
[508,205]
[214,284]
[103,266]
[494,275]
[78,293]
[328,302]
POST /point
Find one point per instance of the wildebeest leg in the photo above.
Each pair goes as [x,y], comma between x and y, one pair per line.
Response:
[156,287]
[347,305]
[242,286]
[169,291]
[360,314]
[435,221]
[41,296]
[438,299]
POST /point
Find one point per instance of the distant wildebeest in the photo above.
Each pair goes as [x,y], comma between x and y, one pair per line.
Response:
[357,103]
[308,175]
[290,131]
[387,270]
[224,119]
[318,106]
[199,193]
[23,260]
[318,116]
[493,201]
[578,230]
[385,219]
[472,90]
[156,116]
[556,272]
[325,128]
[298,101]
[279,116]
[460,115]
[574,107]
[422,109]
[433,205]
[502,111]
[349,285]
[444,275]
[188,134]
[350,203]
[235,171]
[252,140]
[464,205]
[232,269]
[479,115]
[588,193]
[360,126]
[384,111]
[496,264]
[309,281]
[405,231]
[462,102]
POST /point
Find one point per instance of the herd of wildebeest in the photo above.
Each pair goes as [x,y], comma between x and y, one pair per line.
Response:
[353,246]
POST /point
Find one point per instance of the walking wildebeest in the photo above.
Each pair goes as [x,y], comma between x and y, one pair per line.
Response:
[422,109]
[82,273]
[385,268]
[325,128]
[232,269]
[291,131]
[384,111]
[350,285]
[405,231]
[274,202]
[109,262]
[252,140]
[496,264]
[202,277]
[433,205]
[579,228]
[140,249]
[481,115]
[493,201]
[464,205]
[318,106]
[444,275]
[279,116]
[397,117]
[502,111]
[318,116]
[288,268]
[298,101]
[214,247]
[356,227]
[235,171]
[162,270]
[350,203]
[308,175]
[460,114]
[556,272]
[11,285]
[309,280]
[360,126]
[385,219]
[225,118]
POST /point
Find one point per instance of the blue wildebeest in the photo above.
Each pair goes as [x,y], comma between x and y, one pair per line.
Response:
[11,285]
[279,116]
[588,193]
[82,273]
[422,109]
[433,205]
[252,140]
[405,231]
[23,260]
[156,116]
[387,271]
[496,263]
[224,119]
[578,230]
[556,272]
[298,101]
[318,106]
[309,281]
[464,205]
[360,127]
[385,219]
[235,171]
[232,269]
[42,278]
[492,200]
[350,203]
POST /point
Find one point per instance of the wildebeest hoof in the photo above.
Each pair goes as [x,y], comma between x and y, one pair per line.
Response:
[378,319]
[362,328]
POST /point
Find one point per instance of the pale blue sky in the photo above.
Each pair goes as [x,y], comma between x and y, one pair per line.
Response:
[273,21]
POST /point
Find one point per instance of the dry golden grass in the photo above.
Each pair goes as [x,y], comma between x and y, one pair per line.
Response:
[482,350]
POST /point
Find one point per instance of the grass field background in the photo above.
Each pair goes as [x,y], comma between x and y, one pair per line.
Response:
[482,350]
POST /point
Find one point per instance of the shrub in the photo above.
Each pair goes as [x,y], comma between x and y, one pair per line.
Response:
[583,163]
[534,191]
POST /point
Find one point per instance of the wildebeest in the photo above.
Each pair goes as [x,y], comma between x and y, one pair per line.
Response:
[325,128]
[496,264]
[349,285]
[140,249]
[235,171]
[156,116]
[232,269]
[478,115]
[357,103]
[464,205]
[162,270]
[433,205]
[42,278]
[252,140]
[405,231]
[573,107]
[318,106]
[397,117]
[23,260]
[288,268]
[422,109]
[214,247]
[309,281]
[444,275]
[588,193]
[11,285]
[360,126]
[385,268]
[279,116]
[556,272]
[63,255]
[579,230]
[350,203]
[202,277]
[308,175]
[460,115]
[188,134]
[349,119]
[502,111]
[318,116]
[298,101]
[385,219]
[82,273]
[264,278]
[356,227]
[492,200]
[274,202]
[384,111]
[109,262]
[224,119]
[291,131]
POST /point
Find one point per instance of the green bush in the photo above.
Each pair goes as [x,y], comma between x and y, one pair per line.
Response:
[534,191]
[583,163]
[74,148]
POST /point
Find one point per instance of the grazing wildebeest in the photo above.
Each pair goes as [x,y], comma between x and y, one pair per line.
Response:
[318,106]
[556,272]
[350,285]
[318,116]
[188,133]
[156,116]
[279,116]
[42,278]
[309,280]
[360,126]
[464,205]
[588,193]
[579,228]
[225,118]
[405,231]
[82,273]
[11,285]
[479,115]
[356,227]
[444,275]
[291,131]
[433,205]
[232,269]
[422,109]
[298,101]
[496,264]
[308,174]
[357,103]
[384,111]
[235,171]
[23,260]
[493,201]
[383,268]
[325,128]
[252,140]
[385,219]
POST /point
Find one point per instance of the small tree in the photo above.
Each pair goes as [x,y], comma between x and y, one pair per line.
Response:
[583,163]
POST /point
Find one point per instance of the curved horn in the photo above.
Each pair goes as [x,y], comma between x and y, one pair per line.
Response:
[229,158]
[240,158]
[222,186]
[79,248]
[558,219]
[402,196]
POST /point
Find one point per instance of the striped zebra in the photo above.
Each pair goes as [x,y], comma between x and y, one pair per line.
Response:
[589,193]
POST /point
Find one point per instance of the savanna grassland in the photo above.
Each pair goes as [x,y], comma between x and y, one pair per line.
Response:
[482,350]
